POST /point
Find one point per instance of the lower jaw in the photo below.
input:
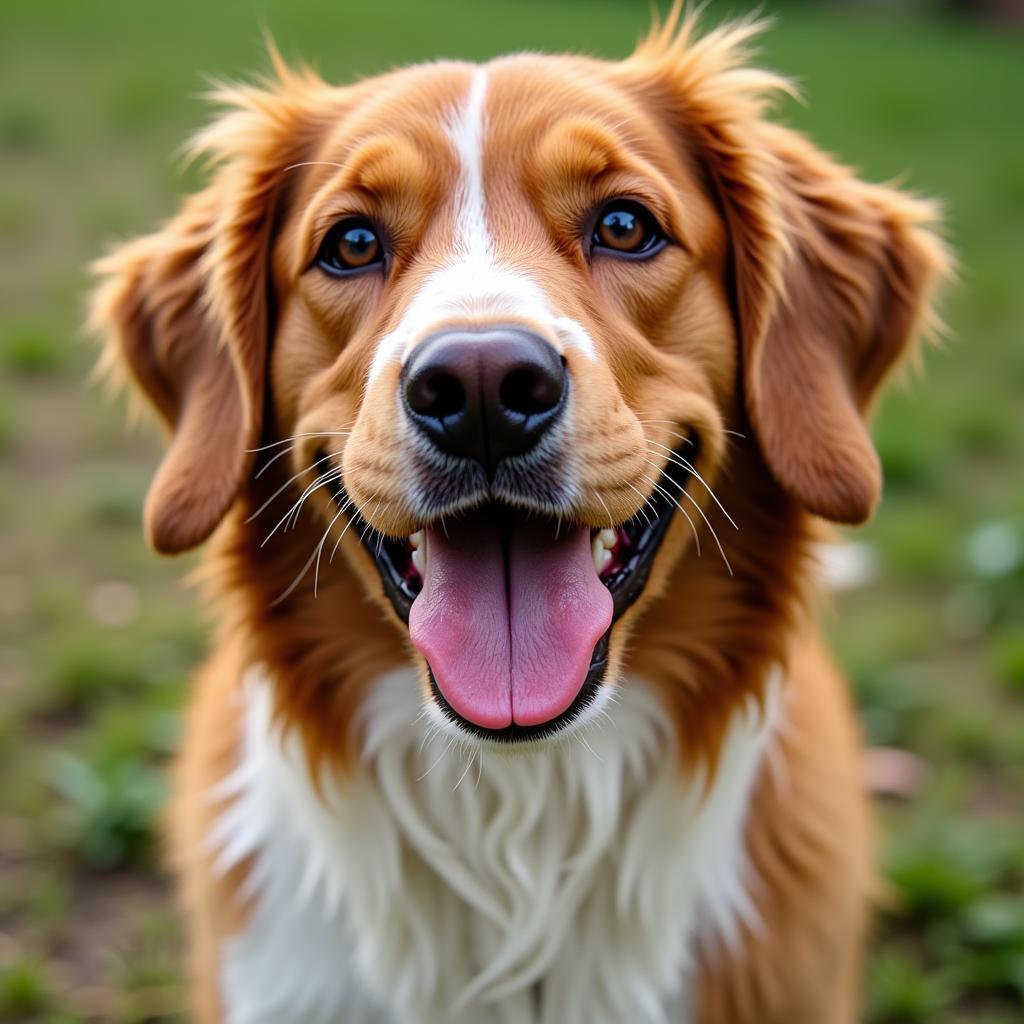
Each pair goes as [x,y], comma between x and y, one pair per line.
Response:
[625,592]
[584,699]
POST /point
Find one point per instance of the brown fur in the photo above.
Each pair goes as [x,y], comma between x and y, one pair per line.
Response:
[793,290]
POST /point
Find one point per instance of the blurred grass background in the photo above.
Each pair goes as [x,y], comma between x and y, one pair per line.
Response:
[97,636]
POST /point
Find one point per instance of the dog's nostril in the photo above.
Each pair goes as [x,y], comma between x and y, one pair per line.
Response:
[437,395]
[527,391]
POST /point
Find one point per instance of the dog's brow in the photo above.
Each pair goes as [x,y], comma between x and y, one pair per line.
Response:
[379,164]
[575,149]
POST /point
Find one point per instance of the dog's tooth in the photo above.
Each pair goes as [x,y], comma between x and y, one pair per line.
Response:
[601,549]
[419,561]
[416,539]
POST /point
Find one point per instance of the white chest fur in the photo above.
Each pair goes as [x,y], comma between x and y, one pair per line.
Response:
[448,886]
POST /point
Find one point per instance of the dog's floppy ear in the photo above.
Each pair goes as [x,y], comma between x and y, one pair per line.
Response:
[825,316]
[831,276]
[186,311]
[155,307]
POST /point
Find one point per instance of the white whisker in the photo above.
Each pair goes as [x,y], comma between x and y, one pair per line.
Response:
[611,522]
[287,483]
[465,772]
[320,548]
[271,461]
[351,520]
[446,750]
[295,582]
[297,507]
[693,501]
[295,437]
[672,433]
[431,731]
[696,535]
[325,478]
[643,508]
[583,739]
[380,537]
[689,466]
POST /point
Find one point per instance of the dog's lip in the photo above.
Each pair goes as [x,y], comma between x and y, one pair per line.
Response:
[627,581]
[646,530]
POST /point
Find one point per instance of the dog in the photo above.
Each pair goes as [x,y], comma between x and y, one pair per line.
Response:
[513,398]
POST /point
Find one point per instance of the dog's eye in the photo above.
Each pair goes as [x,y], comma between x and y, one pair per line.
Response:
[350,246]
[627,228]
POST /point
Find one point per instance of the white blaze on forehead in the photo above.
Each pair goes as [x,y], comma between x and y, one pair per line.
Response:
[473,281]
[467,132]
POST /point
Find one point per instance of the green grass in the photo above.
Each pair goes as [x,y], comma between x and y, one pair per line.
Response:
[97,636]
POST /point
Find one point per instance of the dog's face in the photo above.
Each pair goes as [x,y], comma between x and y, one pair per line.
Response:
[509,317]
[489,294]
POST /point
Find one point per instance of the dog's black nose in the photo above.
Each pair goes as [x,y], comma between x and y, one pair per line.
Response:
[484,394]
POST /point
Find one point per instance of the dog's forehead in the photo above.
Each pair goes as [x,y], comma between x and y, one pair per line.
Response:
[411,100]
[515,101]
[533,93]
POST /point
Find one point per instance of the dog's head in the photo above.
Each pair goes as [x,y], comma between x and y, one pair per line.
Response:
[506,324]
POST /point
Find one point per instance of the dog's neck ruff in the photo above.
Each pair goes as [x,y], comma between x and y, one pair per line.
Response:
[445,886]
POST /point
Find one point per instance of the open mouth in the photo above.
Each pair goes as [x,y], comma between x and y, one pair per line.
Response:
[513,612]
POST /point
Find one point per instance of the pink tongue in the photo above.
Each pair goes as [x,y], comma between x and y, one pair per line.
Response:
[513,649]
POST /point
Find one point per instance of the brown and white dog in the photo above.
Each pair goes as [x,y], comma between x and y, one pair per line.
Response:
[518,711]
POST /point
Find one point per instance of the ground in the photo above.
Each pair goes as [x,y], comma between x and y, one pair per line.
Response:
[97,635]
